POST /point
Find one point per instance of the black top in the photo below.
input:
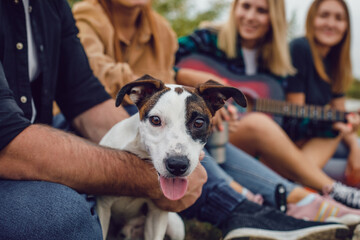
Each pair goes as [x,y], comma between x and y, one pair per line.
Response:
[307,80]
[65,73]
[316,90]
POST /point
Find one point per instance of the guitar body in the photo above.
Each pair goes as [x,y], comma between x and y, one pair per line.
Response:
[300,122]
[255,86]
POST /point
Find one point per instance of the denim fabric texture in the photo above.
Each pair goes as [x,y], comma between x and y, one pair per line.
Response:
[36,210]
[254,175]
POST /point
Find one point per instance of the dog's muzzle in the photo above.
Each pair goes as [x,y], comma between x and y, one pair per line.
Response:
[177,165]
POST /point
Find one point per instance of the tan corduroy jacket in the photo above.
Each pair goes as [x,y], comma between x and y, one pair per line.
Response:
[140,56]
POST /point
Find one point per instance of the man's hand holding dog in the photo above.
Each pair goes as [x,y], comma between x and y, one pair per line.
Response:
[196,180]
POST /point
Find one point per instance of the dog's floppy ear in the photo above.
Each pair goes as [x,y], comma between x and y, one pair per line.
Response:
[139,89]
[215,95]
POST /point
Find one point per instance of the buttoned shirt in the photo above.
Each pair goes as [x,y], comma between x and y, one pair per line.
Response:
[65,75]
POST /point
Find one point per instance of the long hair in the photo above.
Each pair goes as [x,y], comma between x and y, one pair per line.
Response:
[340,71]
[274,50]
[146,13]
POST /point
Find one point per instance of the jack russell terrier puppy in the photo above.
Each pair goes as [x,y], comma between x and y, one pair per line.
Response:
[169,130]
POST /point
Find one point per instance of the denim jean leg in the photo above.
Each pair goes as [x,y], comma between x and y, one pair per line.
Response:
[36,210]
[253,174]
[218,199]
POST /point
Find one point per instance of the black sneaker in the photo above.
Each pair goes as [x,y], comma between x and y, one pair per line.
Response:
[255,222]
[348,196]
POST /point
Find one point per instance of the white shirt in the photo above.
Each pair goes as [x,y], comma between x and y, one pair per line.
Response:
[32,55]
[250,59]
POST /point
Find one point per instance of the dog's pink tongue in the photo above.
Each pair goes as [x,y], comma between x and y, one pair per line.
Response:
[173,188]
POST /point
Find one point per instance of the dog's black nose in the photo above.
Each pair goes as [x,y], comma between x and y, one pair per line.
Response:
[177,165]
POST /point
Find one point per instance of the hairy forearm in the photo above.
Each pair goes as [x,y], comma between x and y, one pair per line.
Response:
[97,121]
[44,153]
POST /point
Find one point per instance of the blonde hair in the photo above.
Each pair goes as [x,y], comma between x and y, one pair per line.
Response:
[274,50]
[340,75]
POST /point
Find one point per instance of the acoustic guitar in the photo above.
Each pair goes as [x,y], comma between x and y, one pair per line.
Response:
[265,94]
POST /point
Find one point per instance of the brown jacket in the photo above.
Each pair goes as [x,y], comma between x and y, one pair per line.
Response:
[140,55]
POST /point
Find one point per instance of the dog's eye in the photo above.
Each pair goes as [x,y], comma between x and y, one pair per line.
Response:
[199,123]
[155,120]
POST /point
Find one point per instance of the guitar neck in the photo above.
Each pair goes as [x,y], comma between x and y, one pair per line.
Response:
[312,112]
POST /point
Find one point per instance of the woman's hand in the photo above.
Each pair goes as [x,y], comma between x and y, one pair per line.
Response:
[353,121]
[352,125]
[228,113]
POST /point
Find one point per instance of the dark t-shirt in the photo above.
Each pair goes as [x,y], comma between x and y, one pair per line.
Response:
[307,80]
[316,90]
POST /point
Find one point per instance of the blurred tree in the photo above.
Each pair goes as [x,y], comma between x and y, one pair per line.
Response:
[71,2]
[185,15]
[292,26]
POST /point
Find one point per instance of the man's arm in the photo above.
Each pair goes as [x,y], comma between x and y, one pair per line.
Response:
[43,153]
[95,122]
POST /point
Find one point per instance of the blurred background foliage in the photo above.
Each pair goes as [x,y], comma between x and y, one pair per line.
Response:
[184,15]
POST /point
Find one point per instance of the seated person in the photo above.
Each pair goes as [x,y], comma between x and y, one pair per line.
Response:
[323,75]
[246,50]
[46,194]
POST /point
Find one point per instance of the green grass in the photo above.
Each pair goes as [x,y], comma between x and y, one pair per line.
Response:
[196,230]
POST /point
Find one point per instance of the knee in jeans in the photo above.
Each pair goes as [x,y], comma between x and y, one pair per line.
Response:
[39,209]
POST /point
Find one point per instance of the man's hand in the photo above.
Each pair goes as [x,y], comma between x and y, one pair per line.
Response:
[195,182]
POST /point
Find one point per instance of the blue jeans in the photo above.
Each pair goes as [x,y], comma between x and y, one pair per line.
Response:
[42,210]
[253,174]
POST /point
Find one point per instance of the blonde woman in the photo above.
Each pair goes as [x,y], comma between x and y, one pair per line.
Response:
[322,58]
[253,41]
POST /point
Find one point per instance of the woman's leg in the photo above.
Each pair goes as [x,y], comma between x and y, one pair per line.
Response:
[320,150]
[254,175]
[259,135]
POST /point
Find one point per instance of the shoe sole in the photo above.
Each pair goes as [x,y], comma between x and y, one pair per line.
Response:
[326,232]
[349,220]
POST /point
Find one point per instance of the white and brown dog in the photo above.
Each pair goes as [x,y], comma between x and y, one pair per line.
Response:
[170,130]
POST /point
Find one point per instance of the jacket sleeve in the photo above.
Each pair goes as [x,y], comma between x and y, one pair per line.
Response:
[112,74]
[12,120]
